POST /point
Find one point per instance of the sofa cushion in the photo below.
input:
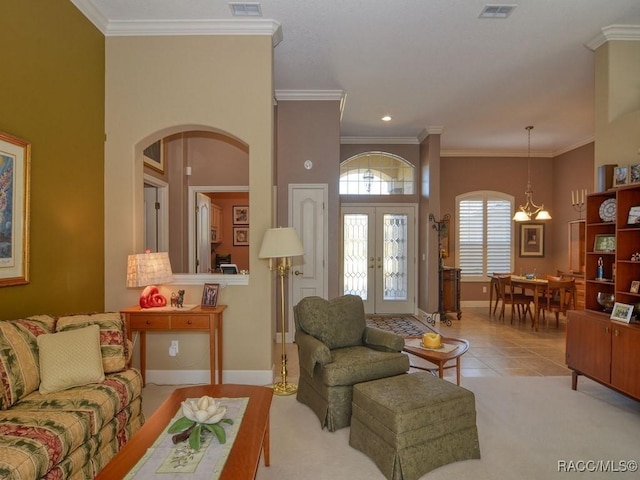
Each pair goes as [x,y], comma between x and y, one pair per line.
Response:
[337,323]
[19,365]
[97,403]
[69,359]
[113,341]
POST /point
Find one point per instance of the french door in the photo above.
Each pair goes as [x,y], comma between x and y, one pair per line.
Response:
[378,256]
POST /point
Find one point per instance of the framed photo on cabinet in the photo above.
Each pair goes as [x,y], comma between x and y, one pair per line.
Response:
[620,176]
[622,312]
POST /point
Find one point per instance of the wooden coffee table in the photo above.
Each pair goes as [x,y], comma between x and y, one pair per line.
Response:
[441,358]
[252,437]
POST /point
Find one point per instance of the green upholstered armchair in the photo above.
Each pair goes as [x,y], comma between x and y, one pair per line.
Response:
[337,349]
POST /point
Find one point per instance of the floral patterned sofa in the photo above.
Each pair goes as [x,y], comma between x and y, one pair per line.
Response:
[68,399]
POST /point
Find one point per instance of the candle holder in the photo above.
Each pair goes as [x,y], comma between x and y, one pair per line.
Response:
[578,201]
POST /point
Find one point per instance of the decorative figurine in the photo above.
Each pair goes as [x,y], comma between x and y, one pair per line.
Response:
[177,299]
[600,274]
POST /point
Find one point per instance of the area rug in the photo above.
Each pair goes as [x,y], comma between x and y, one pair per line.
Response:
[403,325]
[530,428]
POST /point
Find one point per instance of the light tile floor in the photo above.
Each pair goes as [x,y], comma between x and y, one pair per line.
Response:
[497,347]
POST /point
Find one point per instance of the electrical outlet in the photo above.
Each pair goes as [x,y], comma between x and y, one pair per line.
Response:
[484,289]
[173,349]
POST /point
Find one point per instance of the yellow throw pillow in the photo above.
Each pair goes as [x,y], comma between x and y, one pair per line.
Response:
[70,359]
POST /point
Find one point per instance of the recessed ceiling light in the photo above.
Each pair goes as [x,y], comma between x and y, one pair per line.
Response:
[246,9]
[496,11]
[386,118]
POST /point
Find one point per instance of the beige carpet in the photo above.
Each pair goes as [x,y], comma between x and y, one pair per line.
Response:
[526,425]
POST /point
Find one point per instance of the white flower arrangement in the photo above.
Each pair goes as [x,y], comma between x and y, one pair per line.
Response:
[204,412]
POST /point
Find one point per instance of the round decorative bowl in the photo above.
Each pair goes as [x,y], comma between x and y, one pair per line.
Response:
[606,300]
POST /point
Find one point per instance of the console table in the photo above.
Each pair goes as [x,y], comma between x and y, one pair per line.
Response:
[165,320]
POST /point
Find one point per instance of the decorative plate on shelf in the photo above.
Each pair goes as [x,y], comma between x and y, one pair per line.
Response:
[608,210]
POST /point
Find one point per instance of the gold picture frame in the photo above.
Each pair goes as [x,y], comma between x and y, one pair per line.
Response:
[532,240]
[15,167]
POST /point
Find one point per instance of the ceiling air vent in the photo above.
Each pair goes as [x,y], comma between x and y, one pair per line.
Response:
[496,11]
[246,9]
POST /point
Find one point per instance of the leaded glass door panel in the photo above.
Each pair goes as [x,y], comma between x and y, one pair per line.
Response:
[378,245]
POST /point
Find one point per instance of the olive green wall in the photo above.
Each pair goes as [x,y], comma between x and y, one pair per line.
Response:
[52,95]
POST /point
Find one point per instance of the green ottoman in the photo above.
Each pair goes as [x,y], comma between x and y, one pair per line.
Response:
[411,424]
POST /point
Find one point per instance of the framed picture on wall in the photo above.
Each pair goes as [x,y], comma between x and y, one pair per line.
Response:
[15,158]
[241,236]
[240,214]
[154,157]
[532,240]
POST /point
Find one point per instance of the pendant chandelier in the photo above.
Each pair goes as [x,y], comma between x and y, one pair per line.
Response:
[530,211]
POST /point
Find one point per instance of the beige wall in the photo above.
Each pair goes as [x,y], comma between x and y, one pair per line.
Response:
[310,130]
[572,171]
[617,103]
[58,107]
[157,86]
[507,175]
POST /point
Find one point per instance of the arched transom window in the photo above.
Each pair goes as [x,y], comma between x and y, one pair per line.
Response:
[376,173]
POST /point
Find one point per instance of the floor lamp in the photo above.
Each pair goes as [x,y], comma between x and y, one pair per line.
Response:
[282,244]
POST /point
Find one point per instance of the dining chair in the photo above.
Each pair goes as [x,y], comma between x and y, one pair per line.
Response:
[560,296]
[495,286]
[518,300]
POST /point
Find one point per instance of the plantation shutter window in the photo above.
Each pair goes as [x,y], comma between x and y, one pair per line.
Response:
[484,239]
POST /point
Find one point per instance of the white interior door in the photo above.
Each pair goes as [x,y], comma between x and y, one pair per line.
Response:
[308,274]
[203,233]
[378,249]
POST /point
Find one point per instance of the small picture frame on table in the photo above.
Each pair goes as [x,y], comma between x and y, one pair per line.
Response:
[210,295]
[635,287]
[622,312]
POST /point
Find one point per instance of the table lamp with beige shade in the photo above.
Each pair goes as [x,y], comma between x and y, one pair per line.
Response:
[149,270]
[282,244]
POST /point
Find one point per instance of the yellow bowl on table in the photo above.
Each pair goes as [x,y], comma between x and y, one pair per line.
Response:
[431,340]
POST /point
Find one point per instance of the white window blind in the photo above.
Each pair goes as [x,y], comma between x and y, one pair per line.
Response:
[484,234]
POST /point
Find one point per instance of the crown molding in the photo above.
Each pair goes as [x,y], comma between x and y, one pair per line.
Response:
[615,32]
[313,95]
[564,150]
[496,153]
[378,140]
[142,28]
[95,16]
[327,95]
[434,130]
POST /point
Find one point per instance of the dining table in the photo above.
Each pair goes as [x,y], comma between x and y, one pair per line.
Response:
[537,287]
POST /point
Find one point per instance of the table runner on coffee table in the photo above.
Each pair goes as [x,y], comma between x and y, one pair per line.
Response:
[164,457]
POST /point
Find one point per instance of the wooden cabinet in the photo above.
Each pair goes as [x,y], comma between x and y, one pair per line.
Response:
[196,319]
[450,291]
[619,269]
[604,350]
[216,224]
